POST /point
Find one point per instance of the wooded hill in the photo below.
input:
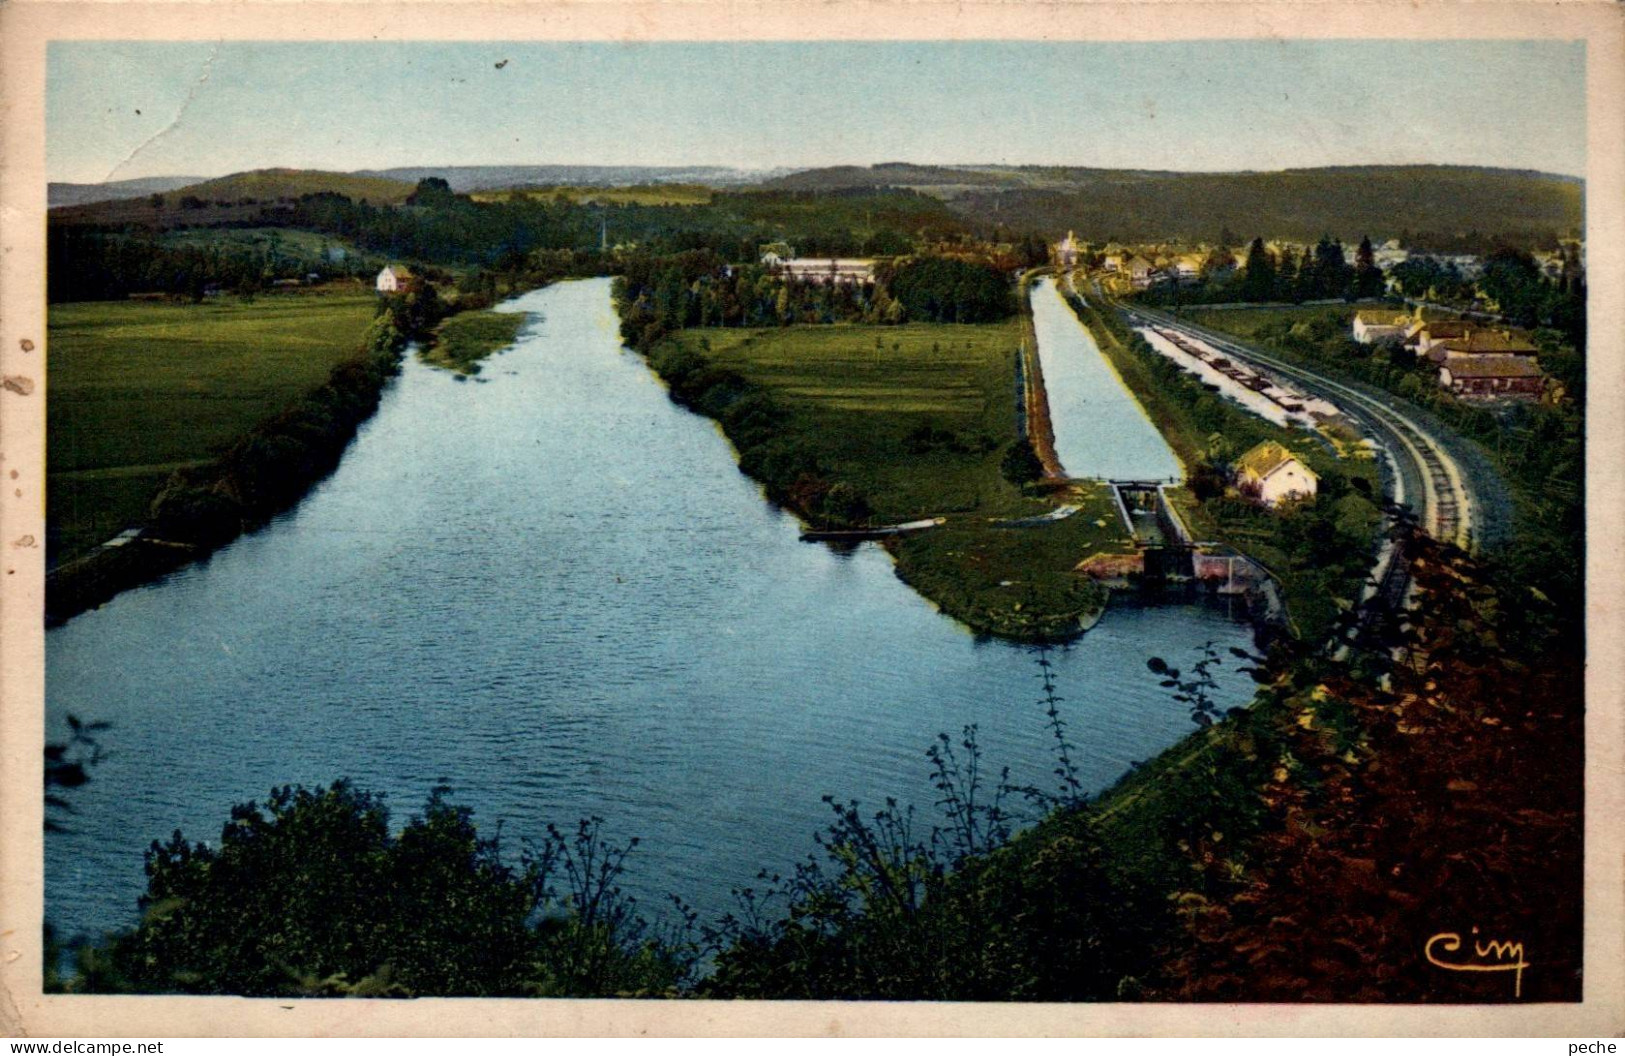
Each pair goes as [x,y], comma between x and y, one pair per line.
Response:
[385,185]
[222,199]
[1438,207]
[62,194]
[466,178]
[1383,201]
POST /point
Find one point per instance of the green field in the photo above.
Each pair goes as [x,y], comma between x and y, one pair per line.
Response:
[917,418]
[464,340]
[1247,322]
[139,389]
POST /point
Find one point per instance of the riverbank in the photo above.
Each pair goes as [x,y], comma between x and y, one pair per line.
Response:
[854,426]
[1035,400]
[267,470]
[140,389]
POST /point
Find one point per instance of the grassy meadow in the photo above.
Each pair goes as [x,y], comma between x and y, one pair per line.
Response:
[917,419]
[138,389]
[1245,323]
[464,340]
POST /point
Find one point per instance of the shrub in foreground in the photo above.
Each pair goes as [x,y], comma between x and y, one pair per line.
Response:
[312,894]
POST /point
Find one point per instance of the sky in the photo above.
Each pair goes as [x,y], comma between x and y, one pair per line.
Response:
[120,110]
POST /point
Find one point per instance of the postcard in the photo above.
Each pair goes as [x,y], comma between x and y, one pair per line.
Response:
[905,518]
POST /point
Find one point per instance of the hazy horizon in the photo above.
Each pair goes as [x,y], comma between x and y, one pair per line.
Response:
[121,110]
[968,165]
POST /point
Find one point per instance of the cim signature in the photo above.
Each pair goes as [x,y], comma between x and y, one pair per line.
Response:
[1493,956]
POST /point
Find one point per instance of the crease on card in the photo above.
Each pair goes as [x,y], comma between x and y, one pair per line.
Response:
[174,122]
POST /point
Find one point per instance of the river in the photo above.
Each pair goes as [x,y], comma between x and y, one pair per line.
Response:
[1100,429]
[551,589]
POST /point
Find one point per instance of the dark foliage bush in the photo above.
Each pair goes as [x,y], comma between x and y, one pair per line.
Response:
[1021,464]
[313,894]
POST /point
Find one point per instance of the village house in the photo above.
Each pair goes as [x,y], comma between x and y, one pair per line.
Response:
[1187,268]
[831,271]
[1374,327]
[1270,474]
[1390,253]
[776,253]
[1425,336]
[1139,271]
[1482,342]
[1492,376]
[395,279]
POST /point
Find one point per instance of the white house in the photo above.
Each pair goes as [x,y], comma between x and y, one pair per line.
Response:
[394,279]
[776,253]
[1272,474]
[834,271]
[1373,327]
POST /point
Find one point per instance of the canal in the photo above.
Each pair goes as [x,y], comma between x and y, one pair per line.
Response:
[551,589]
[1100,429]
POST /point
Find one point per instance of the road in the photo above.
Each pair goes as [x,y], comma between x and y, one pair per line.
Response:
[1423,473]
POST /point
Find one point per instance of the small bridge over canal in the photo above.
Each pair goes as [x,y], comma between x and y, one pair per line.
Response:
[1166,551]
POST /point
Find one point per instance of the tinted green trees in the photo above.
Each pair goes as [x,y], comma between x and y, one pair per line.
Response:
[947,290]
[1020,464]
[313,894]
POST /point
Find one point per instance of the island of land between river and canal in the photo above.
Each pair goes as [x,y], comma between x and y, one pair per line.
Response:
[850,426]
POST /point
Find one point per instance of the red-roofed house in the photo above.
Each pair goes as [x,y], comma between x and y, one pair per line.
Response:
[1492,375]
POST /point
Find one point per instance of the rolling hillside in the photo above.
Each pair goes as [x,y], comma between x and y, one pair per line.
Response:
[291,183]
[1442,202]
[60,194]
[236,198]
[1380,200]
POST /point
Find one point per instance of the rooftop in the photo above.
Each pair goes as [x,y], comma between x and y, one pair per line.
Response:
[1492,342]
[1493,367]
[1442,328]
[1267,457]
[1382,318]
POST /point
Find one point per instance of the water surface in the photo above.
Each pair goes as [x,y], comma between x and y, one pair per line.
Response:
[553,590]
[1100,428]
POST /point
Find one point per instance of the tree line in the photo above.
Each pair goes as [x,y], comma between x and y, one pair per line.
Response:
[663,294]
[1513,285]
[435,226]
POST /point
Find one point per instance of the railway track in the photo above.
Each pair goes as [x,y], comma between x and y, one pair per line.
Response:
[1423,475]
